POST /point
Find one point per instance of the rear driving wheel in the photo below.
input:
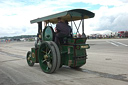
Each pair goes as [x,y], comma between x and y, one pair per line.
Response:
[48,57]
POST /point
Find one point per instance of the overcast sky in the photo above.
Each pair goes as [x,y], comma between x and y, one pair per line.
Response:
[15,15]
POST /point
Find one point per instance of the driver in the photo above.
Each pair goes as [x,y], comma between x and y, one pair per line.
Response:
[62,30]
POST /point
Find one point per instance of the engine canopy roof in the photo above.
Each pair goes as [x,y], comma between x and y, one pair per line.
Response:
[70,15]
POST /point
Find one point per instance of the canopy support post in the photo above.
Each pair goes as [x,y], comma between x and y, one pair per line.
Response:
[83,34]
[39,30]
[71,27]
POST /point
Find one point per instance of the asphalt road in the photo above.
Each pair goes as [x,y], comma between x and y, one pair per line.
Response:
[107,64]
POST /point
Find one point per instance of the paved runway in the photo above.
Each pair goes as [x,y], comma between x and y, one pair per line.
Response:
[107,64]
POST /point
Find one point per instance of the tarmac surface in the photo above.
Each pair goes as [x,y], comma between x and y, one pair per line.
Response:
[107,64]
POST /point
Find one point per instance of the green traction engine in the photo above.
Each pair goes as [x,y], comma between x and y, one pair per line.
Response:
[72,49]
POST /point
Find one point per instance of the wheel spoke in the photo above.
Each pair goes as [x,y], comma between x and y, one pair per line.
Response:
[49,52]
[44,52]
[28,58]
[30,61]
[49,65]
[47,68]
[43,61]
[46,49]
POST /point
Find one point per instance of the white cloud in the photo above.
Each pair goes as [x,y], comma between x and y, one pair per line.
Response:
[114,19]
[103,2]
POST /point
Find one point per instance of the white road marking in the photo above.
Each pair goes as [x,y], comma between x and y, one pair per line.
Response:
[112,43]
[121,43]
[116,43]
